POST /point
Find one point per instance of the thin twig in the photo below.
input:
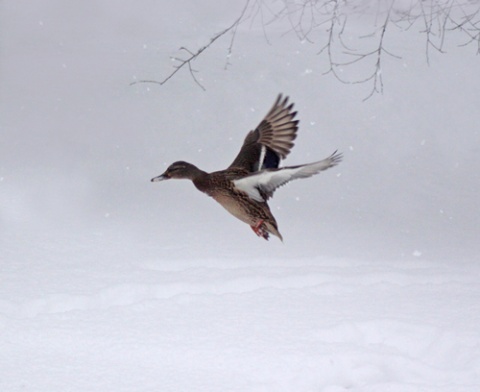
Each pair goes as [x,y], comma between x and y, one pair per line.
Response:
[194,55]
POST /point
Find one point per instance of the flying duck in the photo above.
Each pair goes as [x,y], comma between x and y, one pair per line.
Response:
[244,188]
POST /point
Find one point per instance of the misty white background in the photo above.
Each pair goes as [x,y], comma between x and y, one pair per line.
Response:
[110,282]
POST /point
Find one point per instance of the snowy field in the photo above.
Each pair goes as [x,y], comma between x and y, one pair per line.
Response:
[111,283]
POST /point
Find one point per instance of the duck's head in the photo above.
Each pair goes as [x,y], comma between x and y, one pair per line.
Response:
[178,170]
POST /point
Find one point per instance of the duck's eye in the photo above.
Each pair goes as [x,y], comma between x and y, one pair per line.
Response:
[177,168]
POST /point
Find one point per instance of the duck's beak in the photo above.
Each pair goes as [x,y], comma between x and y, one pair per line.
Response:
[161,177]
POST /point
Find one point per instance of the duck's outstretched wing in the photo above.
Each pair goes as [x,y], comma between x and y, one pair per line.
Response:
[271,141]
[261,186]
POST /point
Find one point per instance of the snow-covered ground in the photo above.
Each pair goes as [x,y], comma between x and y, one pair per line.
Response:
[111,283]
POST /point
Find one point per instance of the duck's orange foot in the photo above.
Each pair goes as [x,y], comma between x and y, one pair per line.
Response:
[259,230]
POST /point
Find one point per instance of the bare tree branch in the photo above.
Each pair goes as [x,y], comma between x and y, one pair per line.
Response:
[194,55]
[329,21]
[377,74]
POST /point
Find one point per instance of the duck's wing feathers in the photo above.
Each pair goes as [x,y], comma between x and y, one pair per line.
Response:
[261,186]
[271,141]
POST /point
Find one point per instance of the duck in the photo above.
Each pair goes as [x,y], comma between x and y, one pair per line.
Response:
[245,187]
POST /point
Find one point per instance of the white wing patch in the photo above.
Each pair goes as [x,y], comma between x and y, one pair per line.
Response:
[265,181]
[263,151]
[261,185]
